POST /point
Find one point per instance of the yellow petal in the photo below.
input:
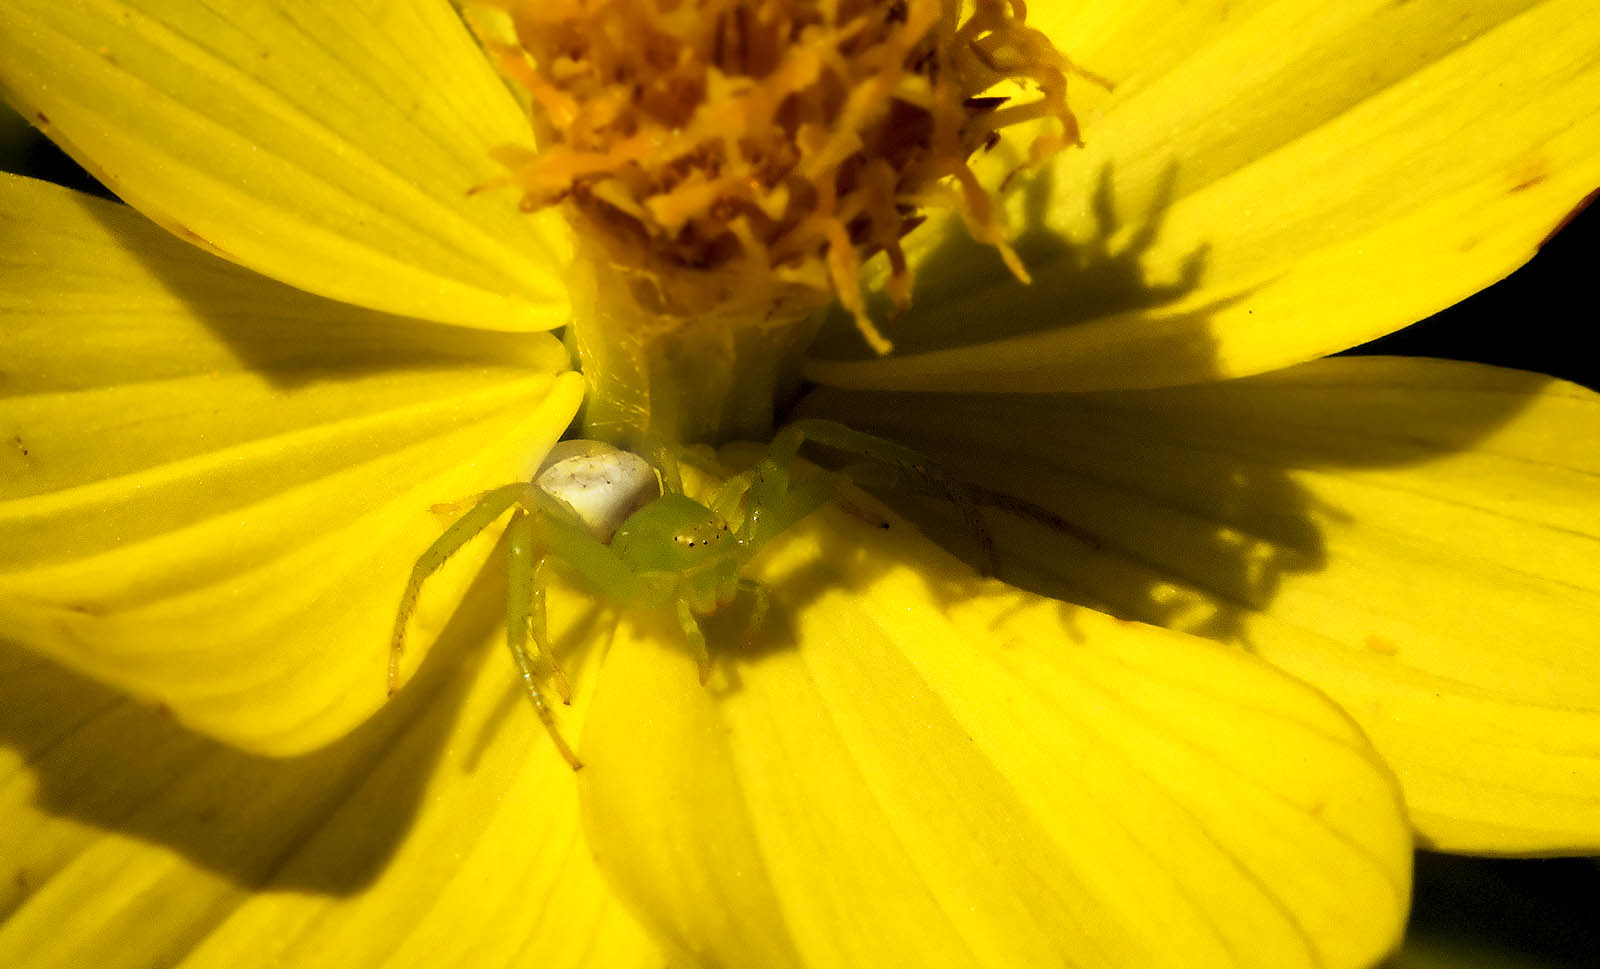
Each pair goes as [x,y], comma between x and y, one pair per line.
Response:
[212,487]
[1268,183]
[442,833]
[911,767]
[335,146]
[1420,539]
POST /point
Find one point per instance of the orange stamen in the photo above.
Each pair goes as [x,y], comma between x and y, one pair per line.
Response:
[710,146]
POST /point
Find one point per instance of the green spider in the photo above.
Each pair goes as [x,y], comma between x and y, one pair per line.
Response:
[624,529]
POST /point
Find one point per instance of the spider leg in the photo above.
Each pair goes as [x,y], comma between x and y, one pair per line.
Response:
[666,464]
[725,503]
[490,506]
[520,598]
[1023,508]
[937,484]
[697,638]
[776,499]
[895,467]
[758,610]
[899,468]
[539,631]
[697,458]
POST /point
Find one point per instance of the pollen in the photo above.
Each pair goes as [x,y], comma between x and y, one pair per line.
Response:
[712,148]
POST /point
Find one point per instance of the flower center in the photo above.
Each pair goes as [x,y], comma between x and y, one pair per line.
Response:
[753,153]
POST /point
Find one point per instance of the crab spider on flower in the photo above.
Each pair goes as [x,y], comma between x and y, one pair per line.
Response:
[625,529]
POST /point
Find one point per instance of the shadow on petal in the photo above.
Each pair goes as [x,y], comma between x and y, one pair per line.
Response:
[111,764]
[1186,520]
[281,334]
[941,770]
[1415,537]
[1088,262]
[443,831]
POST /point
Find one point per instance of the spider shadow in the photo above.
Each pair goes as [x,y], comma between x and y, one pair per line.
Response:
[1169,518]
[1166,520]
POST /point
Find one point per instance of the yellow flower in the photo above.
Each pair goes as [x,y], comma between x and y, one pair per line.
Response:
[212,486]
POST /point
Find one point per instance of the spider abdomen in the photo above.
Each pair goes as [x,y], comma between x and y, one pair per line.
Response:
[603,484]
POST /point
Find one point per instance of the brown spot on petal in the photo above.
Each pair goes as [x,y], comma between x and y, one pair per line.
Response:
[1528,172]
[1380,644]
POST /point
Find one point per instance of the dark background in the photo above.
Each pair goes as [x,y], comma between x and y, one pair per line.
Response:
[1468,912]
[1538,318]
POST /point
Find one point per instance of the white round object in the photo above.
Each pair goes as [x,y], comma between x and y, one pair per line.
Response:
[603,484]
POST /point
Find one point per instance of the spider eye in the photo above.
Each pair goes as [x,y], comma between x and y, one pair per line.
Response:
[700,536]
